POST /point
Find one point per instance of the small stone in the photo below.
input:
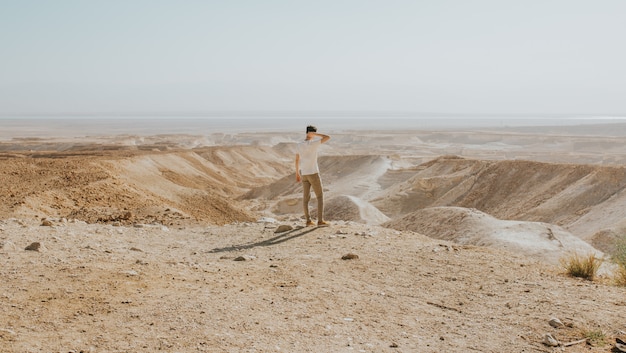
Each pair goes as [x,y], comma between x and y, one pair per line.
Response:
[556,323]
[136,249]
[34,246]
[240,258]
[620,344]
[393,345]
[283,228]
[46,223]
[11,332]
[350,256]
[550,341]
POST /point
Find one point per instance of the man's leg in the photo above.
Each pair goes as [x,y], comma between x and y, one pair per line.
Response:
[306,197]
[316,183]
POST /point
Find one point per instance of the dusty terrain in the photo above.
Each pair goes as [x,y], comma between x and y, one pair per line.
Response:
[171,243]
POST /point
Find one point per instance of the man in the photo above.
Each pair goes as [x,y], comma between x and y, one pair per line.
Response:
[307,172]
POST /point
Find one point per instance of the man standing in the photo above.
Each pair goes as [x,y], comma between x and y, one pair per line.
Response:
[307,172]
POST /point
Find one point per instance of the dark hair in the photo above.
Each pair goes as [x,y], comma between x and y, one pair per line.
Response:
[311,128]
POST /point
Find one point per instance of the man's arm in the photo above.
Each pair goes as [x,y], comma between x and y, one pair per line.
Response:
[324,137]
[298,177]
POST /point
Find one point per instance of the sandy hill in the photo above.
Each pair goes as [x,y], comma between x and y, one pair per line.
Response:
[537,240]
[522,190]
[222,184]
[135,186]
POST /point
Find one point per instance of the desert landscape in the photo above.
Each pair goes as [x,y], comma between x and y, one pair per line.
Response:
[441,240]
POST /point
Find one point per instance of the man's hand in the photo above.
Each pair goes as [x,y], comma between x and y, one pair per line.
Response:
[298,177]
[322,136]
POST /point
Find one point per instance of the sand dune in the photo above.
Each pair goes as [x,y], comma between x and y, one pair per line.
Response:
[352,208]
[545,242]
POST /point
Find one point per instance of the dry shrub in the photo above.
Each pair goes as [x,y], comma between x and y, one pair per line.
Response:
[581,266]
[620,276]
[596,338]
[620,258]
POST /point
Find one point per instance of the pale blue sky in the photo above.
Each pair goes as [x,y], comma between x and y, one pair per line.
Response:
[442,56]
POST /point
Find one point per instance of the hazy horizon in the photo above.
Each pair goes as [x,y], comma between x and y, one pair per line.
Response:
[60,127]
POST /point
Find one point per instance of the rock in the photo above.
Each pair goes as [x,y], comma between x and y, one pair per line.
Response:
[620,344]
[46,223]
[283,228]
[550,341]
[10,332]
[33,247]
[136,249]
[556,323]
[240,258]
[350,256]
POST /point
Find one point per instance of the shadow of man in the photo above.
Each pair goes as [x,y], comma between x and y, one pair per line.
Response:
[281,238]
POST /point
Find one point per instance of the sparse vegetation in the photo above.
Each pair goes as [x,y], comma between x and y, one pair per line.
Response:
[582,266]
[619,256]
[620,259]
[620,277]
[596,337]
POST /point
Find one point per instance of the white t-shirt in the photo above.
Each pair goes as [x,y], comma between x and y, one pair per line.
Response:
[308,156]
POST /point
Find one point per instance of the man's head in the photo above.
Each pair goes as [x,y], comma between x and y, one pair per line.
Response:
[311,128]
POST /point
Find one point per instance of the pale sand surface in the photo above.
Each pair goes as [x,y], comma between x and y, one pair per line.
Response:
[458,235]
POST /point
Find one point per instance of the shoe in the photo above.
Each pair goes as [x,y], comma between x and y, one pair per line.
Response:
[323,224]
[310,223]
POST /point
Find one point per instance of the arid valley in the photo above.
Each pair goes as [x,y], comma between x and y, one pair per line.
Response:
[445,240]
